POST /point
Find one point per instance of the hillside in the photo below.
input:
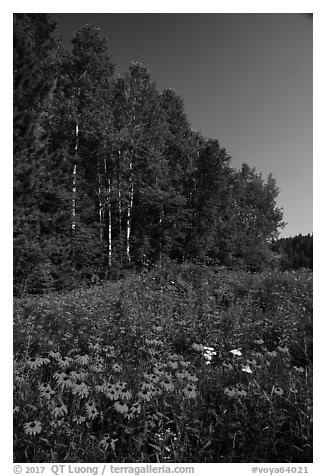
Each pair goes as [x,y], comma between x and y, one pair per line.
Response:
[182,364]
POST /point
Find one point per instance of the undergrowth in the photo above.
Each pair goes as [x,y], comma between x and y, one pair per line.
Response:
[181,364]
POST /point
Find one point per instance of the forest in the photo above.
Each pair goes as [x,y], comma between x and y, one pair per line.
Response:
[109,175]
[158,317]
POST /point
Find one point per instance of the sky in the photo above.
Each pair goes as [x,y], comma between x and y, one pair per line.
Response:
[246,80]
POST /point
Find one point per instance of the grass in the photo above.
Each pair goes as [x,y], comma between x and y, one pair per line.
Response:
[181,364]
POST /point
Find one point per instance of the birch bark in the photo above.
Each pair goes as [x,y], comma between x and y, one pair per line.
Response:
[74,181]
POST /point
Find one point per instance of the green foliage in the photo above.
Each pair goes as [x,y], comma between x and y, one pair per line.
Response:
[184,363]
[109,174]
[32,87]
[296,252]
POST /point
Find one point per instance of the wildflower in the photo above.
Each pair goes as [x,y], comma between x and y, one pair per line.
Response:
[91,411]
[101,388]
[78,375]
[191,377]
[57,423]
[159,371]
[63,379]
[33,427]
[156,379]
[174,357]
[283,350]
[82,359]
[148,385]
[112,392]
[55,355]
[145,394]
[236,352]
[271,354]
[97,367]
[124,393]
[182,375]
[298,369]
[148,377]
[278,391]
[209,349]
[158,328]
[105,442]
[246,369]
[34,362]
[173,365]
[46,391]
[257,355]
[167,384]
[116,368]
[190,391]
[121,407]
[259,341]
[79,419]
[119,385]
[44,360]
[230,391]
[130,414]
[198,347]
[80,388]
[16,409]
[60,410]
[136,408]
[241,393]
[65,362]
[184,363]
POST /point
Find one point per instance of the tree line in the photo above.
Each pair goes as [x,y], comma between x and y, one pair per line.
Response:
[296,252]
[108,173]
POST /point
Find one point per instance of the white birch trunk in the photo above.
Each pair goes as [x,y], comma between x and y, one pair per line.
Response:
[129,212]
[109,214]
[161,231]
[119,195]
[74,181]
[100,203]
[110,223]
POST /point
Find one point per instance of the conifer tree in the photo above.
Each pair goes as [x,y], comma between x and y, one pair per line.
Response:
[32,86]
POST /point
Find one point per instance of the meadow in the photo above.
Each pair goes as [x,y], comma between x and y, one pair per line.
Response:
[179,364]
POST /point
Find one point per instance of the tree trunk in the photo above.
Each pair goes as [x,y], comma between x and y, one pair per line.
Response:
[119,196]
[74,181]
[100,203]
[129,212]
[161,233]
[110,224]
[109,214]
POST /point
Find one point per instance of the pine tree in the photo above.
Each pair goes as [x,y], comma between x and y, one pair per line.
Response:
[32,87]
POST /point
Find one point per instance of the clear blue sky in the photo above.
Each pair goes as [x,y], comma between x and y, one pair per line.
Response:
[246,80]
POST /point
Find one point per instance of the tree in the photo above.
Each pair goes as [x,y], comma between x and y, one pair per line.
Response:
[80,127]
[257,218]
[141,167]
[32,87]
[181,150]
[211,189]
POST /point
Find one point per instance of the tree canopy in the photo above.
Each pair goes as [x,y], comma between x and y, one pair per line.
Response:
[109,174]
